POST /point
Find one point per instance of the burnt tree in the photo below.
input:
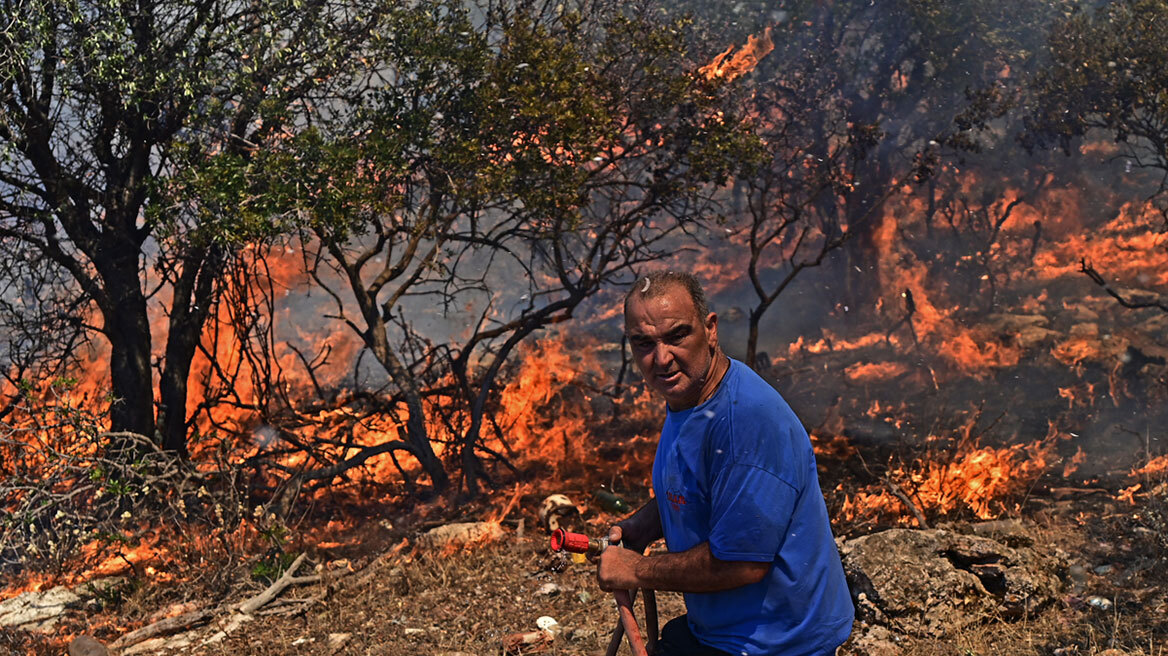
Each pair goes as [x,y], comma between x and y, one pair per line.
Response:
[101,102]
[510,165]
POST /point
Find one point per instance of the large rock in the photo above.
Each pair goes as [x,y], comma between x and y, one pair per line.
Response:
[37,611]
[928,583]
[40,610]
[458,535]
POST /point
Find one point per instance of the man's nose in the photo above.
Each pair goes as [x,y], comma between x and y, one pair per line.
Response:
[662,355]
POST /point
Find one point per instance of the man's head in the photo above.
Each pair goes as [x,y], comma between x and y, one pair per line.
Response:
[674,337]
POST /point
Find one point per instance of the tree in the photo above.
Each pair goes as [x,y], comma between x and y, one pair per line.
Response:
[514,160]
[1107,71]
[101,102]
[857,101]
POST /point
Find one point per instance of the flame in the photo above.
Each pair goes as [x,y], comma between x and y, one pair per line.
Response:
[1156,467]
[1073,464]
[873,372]
[727,66]
[1128,493]
[974,478]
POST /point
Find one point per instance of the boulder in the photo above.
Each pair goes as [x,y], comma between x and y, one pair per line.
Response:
[931,582]
[37,611]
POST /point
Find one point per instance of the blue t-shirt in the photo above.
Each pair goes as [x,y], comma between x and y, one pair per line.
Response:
[738,472]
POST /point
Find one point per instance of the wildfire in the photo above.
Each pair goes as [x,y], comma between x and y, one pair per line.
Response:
[1157,466]
[974,478]
[729,64]
[873,372]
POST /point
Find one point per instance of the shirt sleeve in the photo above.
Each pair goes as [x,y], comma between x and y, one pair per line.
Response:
[750,510]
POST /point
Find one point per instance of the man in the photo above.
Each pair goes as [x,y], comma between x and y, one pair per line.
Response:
[737,496]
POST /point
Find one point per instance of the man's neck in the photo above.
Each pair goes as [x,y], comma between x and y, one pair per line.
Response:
[719,365]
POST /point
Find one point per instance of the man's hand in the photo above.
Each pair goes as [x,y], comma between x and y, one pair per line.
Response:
[618,567]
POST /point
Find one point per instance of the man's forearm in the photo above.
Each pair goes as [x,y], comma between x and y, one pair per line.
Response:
[697,570]
[694,570]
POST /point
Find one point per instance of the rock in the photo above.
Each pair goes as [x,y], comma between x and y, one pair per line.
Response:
[37,611]
[461,534]
[932,582]
[549,624]
[876,640]
[1102,603]
[86,646]
[581,634]
[1027,330]
[336,641]
[548,590]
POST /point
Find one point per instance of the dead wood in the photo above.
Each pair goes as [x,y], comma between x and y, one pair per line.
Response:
[202,615]
[165,627]
[912,507]
[286,579]
[1134,301]
[251,605]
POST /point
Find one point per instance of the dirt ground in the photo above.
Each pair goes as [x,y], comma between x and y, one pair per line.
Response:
[466,601]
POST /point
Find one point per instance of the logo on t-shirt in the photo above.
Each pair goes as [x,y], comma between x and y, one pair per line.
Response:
[676,499]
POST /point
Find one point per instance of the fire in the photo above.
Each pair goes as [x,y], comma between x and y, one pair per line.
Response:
[1073,464]
[974,478]
[1128,493]
[872,372]
[1157,466]
[729,64]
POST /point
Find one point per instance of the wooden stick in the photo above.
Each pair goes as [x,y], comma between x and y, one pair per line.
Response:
[286,579]
[907,502]
[163,627]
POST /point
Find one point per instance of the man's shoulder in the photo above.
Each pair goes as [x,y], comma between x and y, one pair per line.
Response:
[750,398]
[752,424]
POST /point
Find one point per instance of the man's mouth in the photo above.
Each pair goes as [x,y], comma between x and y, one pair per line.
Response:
[671,377]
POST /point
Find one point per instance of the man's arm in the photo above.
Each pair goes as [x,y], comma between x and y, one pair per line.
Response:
[695,570]
[639,529]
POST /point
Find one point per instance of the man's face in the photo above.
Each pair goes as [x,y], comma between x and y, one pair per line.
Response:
[673,346]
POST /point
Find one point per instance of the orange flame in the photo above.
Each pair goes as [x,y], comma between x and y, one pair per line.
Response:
[728,64]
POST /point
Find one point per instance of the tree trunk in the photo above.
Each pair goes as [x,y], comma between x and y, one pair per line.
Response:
[131,382]
[194,292]
[416,433]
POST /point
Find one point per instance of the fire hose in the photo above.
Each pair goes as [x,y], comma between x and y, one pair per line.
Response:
[627,626]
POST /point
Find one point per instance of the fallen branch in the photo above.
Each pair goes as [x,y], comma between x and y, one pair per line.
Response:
[912,507]
[1150,301]
[251,605]
[201,616]
[286,579]
[165,627]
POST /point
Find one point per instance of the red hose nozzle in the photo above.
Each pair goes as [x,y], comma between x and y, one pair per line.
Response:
[576,542]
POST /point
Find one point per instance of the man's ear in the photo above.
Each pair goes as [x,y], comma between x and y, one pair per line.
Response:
[712,331]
